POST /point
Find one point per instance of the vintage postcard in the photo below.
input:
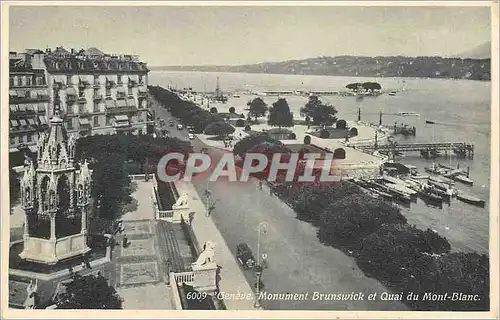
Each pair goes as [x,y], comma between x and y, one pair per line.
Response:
[249,159]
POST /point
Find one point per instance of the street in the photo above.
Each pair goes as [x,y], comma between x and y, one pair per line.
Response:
[297,261]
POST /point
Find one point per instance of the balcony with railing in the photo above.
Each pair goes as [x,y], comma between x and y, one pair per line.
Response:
[26,96]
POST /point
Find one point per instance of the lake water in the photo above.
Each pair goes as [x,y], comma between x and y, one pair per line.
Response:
[460,108]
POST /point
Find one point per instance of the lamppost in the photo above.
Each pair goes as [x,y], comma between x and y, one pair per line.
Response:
[207,195]
[258,268]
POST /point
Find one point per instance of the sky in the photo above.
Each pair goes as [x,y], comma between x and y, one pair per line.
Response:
[232,35]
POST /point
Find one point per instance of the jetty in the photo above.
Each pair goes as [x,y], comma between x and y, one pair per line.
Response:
[461,149]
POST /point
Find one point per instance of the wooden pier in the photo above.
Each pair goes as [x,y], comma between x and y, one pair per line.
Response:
[461,149]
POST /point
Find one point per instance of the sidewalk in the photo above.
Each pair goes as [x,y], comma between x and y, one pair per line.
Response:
[232,280]
[139,278]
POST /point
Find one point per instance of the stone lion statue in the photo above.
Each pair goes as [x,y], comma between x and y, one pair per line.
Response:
[182,201]
[206,256]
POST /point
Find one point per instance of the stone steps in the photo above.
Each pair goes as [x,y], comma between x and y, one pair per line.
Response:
[169,246]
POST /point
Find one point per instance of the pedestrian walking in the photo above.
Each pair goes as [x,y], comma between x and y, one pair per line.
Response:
[260,185]
[125,241]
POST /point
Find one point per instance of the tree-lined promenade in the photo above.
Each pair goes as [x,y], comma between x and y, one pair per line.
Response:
[386,247]
[374,232]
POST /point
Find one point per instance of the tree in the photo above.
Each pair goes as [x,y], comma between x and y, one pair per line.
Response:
[353,217]
[219,128]
[339,153]
[321,114]
[353,132]
[307,140]
[280,115]
[241,147]
[257,108]
[110,154]
[89,292]
[341,124]
[213,110]
[324,134]
[231,110]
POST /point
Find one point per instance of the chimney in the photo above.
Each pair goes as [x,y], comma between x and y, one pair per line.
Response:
[72,51]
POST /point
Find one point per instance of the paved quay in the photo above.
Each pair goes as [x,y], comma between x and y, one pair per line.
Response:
[232,279]
[138,274]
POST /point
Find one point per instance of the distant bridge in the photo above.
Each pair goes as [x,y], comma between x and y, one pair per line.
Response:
[461,149]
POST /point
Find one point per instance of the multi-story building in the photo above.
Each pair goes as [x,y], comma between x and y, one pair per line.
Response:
[100,93]
[28,102]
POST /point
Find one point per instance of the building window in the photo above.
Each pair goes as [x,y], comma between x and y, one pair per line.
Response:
[70,124]
[108,120]
[119,79]
[70,109]
[96,107]
[81,108]
[96,79]
[96,93]
[96,121]
[68,80]
[81,93]
[19,81]
[38,81]
[140,79]
[28,137]
[129,91]
[11,81]
[13,140]
[28,81]
[108,92]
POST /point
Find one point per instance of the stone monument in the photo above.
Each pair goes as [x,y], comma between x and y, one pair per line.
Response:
[55,193]
[181,209]
[205,269]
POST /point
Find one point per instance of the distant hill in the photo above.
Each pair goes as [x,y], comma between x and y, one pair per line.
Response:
[397,66]
[480,52]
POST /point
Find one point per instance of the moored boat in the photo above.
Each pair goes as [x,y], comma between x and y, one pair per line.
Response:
[427,195]
[470,199]
[463,179]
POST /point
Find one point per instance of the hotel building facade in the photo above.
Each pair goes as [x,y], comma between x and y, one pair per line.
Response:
[28,102]
[99,93]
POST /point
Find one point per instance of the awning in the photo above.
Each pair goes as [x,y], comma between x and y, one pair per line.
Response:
[13,107]
[110,103]
[120,89]
[21,94]
[31,121]
[33,94]
[131,102]
[22,107]
[43,119]
[23,122]
[13,93]
[83,80]
[84,121]
[71,91]
[121,117]
[29,107]
[40,108]
[143,89]
[14,123]
[121,103]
